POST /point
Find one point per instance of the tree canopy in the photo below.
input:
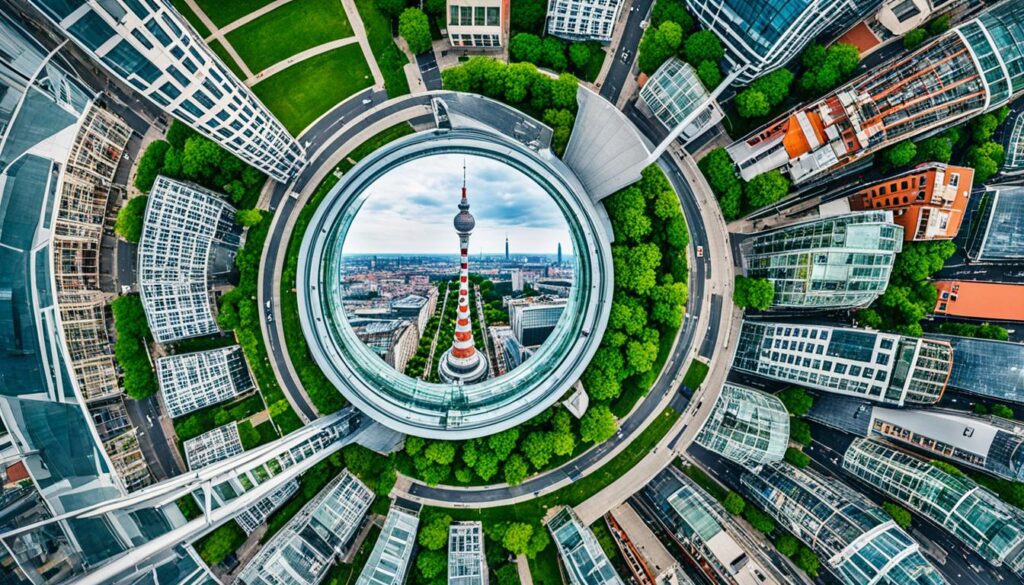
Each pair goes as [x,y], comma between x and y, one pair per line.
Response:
[414,27]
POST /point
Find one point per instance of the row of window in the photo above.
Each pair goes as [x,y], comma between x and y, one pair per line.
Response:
[474,15]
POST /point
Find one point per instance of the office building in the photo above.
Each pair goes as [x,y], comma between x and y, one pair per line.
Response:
[191,381]
[583,20]
[762,36]
[416,308]
[462,362]
[971,69]
[646,557]
[1001,231]
[147,45]
[988,368]
[188,236]
[254,517]
[855,539]
[985,301]
[839,262]
[883,367]
[705,532]
[467,564]
[746,426]
[305,549]
[478,24]
[672,93]
[213,446]
[582,557]
[928,201]
[533,319]
[1014,146]
[389,560]
[970,513]
[394,340]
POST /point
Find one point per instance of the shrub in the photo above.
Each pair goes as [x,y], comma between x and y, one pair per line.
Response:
[414,27]
[899,514]
[797,458]
[150,163]
[753,293]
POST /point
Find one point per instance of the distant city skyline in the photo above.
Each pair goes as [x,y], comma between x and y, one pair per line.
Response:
[409,211]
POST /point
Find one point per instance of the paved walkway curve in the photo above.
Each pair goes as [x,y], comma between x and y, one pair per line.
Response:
[325,143]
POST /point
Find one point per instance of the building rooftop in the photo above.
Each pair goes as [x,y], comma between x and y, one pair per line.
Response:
[1014,164]
[1002,233]
[980,300]
[928,201]
[191,381]
[467,564]
[213,446]
[983,367]
[746,426]
[389,560]
[582,556]
[674,92]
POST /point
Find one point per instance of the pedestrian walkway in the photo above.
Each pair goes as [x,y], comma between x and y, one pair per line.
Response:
[359,30]
[308,53]
[217,35]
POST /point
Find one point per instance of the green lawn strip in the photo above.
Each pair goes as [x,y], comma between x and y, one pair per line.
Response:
[390,59]
[220,543]
[544,568]
[286,31]
[303,92]
[611,550]
[202,344]
[224,12]
[324,395]
[222,52]
[347,573]
[196,423]
[192,18]
[695,374]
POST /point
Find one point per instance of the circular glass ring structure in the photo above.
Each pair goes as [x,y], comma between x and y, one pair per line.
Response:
[453,411]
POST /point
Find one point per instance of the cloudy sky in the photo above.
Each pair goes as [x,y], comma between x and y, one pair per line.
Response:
[410,210]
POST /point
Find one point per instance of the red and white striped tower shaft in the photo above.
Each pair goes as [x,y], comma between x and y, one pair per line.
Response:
[463,362]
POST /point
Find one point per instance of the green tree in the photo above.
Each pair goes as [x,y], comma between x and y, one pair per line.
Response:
[980,408]
[508,575]
[433,533]
[729,202]
[432,563]
[734,503]
[516,469]
[504,443]
[899,514]
[635,268]
[516,538]
[914,38]
[487,465]
[759,520]
[440,452]
[938,25]
[900,154]
[598,424]
[983,127]
[579,54]
[658,44]
[390,7]
[130,219]
[628,212]
[456,79]
[800,431]
[249,217]
[753,293]
[552,54]
[797,401]
[518,77]
[672,10]
[538,448]
[767,188]
[563,442]
[150,164]
[797,458]
[807,561]
[178,133]
[719,170]
[703,45]
[1002,410]
[947,467]
[787,544]
[563,91]
[414,27]
[414,445]
[525,47]
[774,86]
[751,103]
[710,75]
[527,15]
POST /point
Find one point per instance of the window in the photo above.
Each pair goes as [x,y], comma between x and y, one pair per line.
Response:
[478,16]
[126,60]
[177,75]
[91,30]
[170,90]
[453,16]
[154,29]
[142,38]
[954,179]
[493,16]
[466,15]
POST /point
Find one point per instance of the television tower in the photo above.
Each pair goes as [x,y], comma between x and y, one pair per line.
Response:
[462,363]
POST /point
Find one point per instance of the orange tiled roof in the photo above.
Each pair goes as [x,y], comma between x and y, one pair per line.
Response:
[861,37]
[796,141]
[17,472]
[980,300]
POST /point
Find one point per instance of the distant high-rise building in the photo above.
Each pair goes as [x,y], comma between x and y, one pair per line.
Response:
[883,367]
[506,249]
[462,363]
[582,20]
[154,50]
[855,539]
[479,24]
[971,69]
[972,514]
[747,426]
[839,262]
[559,253]
[760,36]
[533,319]
[928,202]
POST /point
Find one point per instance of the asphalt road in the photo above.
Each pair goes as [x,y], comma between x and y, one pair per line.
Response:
[429,71]
[576,468]
[156,447]
[277,242]
[621,68]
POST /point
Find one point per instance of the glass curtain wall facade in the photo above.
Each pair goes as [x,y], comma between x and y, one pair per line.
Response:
[305,549]
[149,46]
[983,367]
[213,446]
[840,262]
[1002,235]
[760,36]
[746,426]
[856,540]
[186,232]
[672,93]
[582,20]
[883,367]
[971,69]
[582,556]
[192,381]
[389,560]
[969,512]
[467,564]
[254,517]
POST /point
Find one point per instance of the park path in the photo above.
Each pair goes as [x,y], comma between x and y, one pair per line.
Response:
[217,35]
[298,57]
[364,43]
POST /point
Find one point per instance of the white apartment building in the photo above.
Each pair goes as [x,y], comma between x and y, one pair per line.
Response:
[478,24]
[583,20]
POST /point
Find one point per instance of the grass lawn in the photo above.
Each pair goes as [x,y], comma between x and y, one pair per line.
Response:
[345,574]
[385,52]
[544,569]
[224,12]
[324,395]
[190,15]
[202,343]
[695,374]
[288,30]
[303,92]
[611,550]
[218,48]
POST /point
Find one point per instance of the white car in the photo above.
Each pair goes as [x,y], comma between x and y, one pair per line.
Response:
[700,251]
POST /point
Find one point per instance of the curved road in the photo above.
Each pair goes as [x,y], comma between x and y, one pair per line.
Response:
[323,140]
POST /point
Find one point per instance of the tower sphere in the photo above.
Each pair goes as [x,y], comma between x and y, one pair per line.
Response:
[464,221]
